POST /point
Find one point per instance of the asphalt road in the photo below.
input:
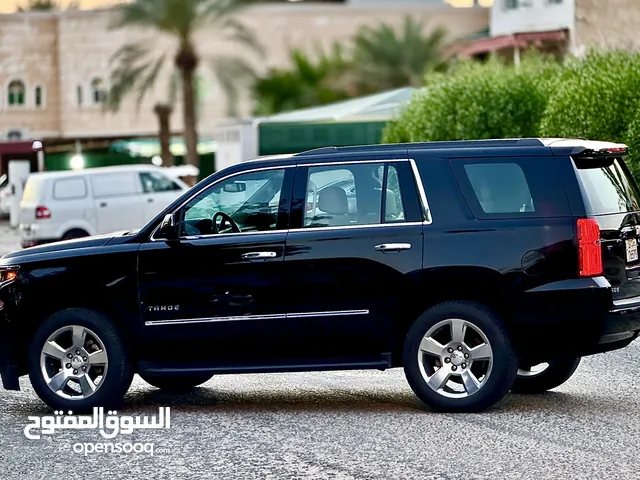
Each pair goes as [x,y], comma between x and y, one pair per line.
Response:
[347,425]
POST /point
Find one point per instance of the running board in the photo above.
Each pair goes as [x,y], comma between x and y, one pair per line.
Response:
[380,362]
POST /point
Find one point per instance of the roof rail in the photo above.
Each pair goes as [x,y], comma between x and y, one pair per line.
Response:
[316,151]
[508,142]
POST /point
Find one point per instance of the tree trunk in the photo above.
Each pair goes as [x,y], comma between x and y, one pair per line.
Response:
[163,112]
[190,121]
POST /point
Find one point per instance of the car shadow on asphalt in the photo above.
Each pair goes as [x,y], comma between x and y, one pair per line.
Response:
[208,399]
[329,398]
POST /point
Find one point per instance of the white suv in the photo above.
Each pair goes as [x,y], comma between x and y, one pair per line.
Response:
[71,204]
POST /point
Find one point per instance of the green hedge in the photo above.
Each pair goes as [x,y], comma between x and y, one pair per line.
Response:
[596,97]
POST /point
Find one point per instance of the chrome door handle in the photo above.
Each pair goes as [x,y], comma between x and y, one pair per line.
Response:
[392,247]
[258,255]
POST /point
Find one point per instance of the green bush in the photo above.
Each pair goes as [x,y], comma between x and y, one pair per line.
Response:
[598,98]
[478,101]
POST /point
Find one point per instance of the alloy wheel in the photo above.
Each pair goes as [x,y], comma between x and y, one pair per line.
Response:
[455,358]
[74,362]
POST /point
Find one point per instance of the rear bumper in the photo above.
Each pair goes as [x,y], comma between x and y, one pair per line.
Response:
[622,322]
[574,318]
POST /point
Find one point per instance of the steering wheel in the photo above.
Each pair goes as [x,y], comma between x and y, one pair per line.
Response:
[225,218]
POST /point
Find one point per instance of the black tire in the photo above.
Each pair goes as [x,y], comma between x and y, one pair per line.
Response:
[558,372]
[119,372]
[503,369]
[75,233]
[177,383]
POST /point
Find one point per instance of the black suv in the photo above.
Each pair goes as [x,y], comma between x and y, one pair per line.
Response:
[478,266]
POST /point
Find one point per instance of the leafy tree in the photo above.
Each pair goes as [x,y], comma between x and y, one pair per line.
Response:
[386,58]
[478,101]
[135,75]
[597,98]
[307,83]
[181,20]
[44,6]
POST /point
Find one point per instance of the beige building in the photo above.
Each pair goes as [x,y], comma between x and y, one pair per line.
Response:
[54,67]
[559,26]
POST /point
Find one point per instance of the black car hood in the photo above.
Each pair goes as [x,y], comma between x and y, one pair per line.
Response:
[77,243]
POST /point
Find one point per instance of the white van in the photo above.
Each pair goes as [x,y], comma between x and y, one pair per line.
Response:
[71,204]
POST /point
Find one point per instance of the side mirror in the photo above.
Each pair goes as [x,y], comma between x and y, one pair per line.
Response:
[235,187]
[168,228]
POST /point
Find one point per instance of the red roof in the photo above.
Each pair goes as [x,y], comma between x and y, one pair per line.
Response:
[520,40]
[16,148]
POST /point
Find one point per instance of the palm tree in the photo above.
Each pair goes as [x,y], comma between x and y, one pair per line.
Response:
[44,6]
[181,20]
[308,82]
[384,59]
[134,74]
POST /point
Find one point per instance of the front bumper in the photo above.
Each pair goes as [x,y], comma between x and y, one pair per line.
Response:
[8,371]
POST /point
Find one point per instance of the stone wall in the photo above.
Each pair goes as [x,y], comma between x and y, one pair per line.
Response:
[66,51]
[607,24]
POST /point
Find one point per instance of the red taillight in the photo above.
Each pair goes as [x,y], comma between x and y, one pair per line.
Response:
[617,150]
[589,249]
[42,213]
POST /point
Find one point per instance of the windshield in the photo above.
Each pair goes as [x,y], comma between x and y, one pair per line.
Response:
[607,186]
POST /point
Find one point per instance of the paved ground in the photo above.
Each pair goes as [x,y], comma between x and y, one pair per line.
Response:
[349,425]
[8,238]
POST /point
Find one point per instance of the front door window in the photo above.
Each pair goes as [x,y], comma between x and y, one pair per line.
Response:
[243,203]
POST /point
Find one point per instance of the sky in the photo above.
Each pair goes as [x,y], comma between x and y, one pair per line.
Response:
[7,6]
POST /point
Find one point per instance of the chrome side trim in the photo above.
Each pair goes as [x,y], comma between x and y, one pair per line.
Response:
[423,195]
[240,318]
[294,231]
[351,227]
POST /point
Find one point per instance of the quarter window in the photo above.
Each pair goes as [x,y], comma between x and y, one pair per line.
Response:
[500,187]
[243,203]
[355,194]
[520,187]
[69,189]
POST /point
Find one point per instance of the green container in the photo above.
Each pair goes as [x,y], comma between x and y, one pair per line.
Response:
[281,138]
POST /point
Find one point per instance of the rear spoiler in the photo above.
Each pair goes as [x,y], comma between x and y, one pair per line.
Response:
[615,150]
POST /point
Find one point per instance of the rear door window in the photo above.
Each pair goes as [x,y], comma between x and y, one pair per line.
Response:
[511,188]
[607,186]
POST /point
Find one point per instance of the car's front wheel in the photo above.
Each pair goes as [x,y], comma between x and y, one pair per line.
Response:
[458,357]
[539,378]
[78,360]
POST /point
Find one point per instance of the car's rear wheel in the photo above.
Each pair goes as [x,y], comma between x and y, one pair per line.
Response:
[78,360]
[175,383]
[539,378]
[458,357]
